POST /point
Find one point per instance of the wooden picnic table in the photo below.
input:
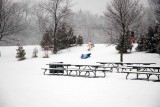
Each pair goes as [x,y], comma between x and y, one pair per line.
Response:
[87,68]
[144,69]
[58,65]
[127,63]
[118,64]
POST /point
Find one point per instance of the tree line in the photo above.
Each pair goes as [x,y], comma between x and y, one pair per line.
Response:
[122,20]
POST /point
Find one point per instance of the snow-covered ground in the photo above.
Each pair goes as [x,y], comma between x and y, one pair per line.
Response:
[22,83]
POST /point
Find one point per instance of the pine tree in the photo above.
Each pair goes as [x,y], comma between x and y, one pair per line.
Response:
[150,42]
[80,40]
[71,37]
[47,39]
[158,48]
[20,53]
[141,45]
[124,43]
[61,37]
[157,31]
[65,38]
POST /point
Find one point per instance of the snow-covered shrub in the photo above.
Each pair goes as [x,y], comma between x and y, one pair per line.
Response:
[20,53]
[35,52]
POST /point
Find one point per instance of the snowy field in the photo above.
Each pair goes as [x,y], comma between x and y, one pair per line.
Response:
[22,83]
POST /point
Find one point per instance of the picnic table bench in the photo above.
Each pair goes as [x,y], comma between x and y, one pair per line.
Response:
[53,69]
[119,65]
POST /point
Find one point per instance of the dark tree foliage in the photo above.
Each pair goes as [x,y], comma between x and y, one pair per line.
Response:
[124,43]
[141,45]
[11,16]
[155,5]
[65,38]
[47,39]
[80,40]
[158,48]
[20,53]
[150,42]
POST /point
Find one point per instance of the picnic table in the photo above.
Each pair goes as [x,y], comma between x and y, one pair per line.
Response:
[57,68]
[148,70]
[87,68]
[118,64]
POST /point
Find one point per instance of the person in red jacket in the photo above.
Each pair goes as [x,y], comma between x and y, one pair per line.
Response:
[133,40]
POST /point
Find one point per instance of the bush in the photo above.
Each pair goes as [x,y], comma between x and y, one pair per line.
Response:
[20,53]
[79,40]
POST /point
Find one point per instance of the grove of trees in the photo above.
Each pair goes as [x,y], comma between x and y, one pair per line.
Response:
[53,23]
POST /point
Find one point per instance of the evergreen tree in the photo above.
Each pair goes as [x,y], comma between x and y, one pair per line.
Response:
[47,39]
[124,43]
[150,42]
[71,37]
[158,38]
[20,53]
[65,38]
[79,40]
[158,48]
[141,45]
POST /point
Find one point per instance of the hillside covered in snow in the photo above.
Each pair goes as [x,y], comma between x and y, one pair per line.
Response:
[22,83]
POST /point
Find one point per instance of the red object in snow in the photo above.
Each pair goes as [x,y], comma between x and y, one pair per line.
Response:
[133,40]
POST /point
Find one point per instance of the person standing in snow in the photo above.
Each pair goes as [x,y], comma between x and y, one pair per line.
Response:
[90,45]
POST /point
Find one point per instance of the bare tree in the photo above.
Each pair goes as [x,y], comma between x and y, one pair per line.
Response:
[124,15]
[155,6]
[52,14]
[10,19]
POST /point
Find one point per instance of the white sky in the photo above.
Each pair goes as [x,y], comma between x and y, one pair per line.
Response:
[94,6]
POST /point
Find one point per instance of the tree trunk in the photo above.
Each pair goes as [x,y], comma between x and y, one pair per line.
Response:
[122,48]
[54,39]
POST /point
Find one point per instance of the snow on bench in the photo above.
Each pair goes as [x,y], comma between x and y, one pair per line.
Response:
[54,69]
[147,73]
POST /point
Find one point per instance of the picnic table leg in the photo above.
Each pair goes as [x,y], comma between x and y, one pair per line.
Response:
[148,76]
[118,68]
[70,72]
[67,72]
[104,73]
[157,76]
[88,73]
[45,71]
[127,75]
[79,72]
[94,73]
[137,75]
[76,73]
